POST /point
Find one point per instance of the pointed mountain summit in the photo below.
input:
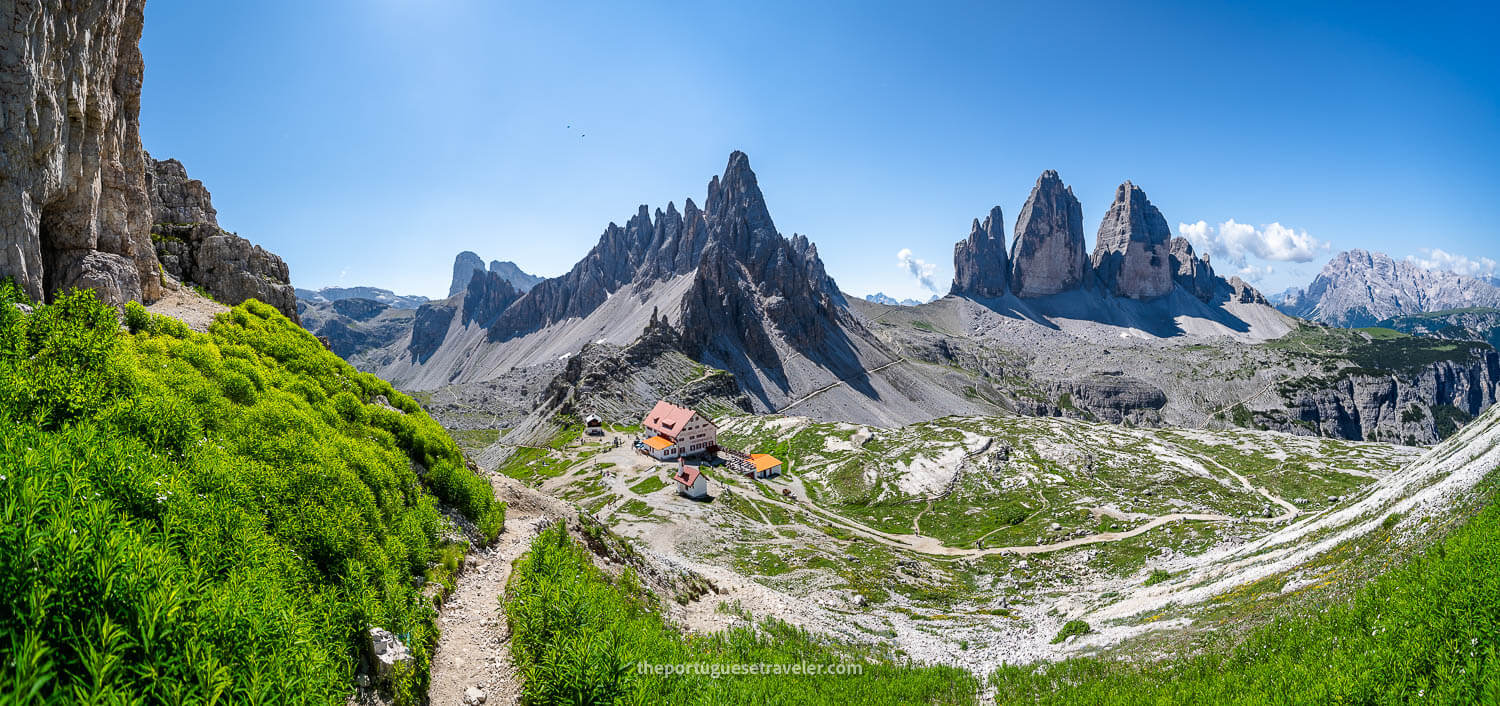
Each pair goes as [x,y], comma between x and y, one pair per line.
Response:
[1131,255]
[753,286]
[1049,255]
[980,266]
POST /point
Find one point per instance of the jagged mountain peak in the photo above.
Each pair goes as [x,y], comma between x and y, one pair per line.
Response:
[1360,288]
[1131,255]
[980,264]
[1049,254]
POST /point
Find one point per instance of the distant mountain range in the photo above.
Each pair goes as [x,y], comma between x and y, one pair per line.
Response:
[384,296]
[1358,288]
[883,298]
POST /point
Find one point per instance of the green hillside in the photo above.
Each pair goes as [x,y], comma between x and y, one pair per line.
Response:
[202,518]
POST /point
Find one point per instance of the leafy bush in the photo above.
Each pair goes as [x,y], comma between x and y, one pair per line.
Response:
[188,520]
[578,637]
[1071,628]
[136,317]
[1157,576]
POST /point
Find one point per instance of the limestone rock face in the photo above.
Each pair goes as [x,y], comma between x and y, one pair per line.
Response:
[520,279]
[1359,288]
[980,266]
[486,296]
[73,205]
[193,248]
[1192,273]
[1131,253]
[646,249]
[1048,256]
[464,267]
[754,286]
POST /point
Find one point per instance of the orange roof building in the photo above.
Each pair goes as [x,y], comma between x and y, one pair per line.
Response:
[686,431]
[765,465]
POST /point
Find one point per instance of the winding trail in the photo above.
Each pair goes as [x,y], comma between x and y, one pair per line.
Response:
[836,383]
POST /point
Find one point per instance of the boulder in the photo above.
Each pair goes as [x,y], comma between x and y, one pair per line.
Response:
[388,655]
[193,248]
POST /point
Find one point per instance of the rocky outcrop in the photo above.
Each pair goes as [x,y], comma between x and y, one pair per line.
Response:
[193,248]
[754,288]
[1192,273]
[73,205]
[1131,253]
[512,273]
[1413,407]
[430,327]
[621,384]
[1241,291]
[464,267]
[1358,288]
[644,250]
[1049,254]
[981,267]
[486,296]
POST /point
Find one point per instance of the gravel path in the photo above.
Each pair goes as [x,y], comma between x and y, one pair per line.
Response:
[474,648]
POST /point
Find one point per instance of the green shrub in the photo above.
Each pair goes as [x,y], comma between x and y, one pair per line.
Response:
[577,637]
[1071,628]
[1158,576]
[136,317]
[188,518]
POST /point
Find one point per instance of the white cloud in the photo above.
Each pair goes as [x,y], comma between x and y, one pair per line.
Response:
[1236,241]
[1254,274]
[1435,259]
[919,269]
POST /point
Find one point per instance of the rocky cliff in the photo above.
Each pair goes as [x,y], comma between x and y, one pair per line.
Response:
[981,267]
[1418,406]
[464,267]
[193,248]
[73,205]
[644,250]
[1131,253]
[1191,272]
[1358,288]
[754,288]
[1049,254]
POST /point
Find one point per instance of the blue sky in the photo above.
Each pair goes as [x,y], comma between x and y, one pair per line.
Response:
[368,141]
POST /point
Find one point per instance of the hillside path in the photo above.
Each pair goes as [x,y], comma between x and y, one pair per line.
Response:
[473,649]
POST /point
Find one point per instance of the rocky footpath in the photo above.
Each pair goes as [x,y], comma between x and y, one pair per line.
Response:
[193,248]
[74,210]
[1359,288]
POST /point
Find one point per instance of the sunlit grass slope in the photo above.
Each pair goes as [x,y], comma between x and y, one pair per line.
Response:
[191,518]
